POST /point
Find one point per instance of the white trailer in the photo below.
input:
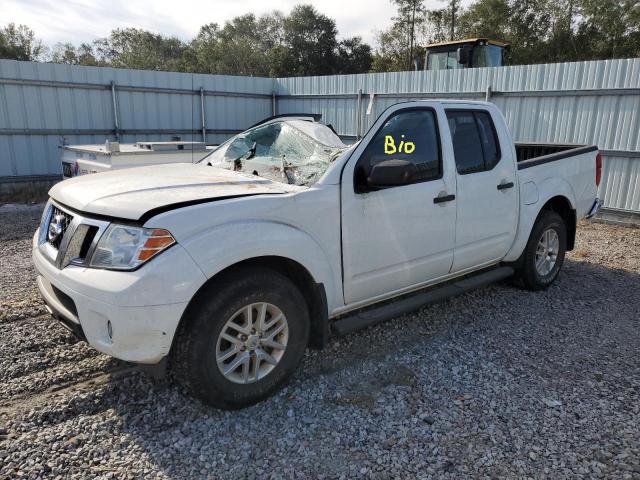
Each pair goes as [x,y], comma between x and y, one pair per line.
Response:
[84,159]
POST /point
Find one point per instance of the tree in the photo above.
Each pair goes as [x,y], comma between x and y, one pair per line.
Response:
[19,42]
[437,25]
[354,56]
[399,46]
[410,13]
[310,39]
[452,9]
[140,49]
[239,48]
[302,43]
[69,54]
[390,56]
[526,24]
[609,29]
[489,18]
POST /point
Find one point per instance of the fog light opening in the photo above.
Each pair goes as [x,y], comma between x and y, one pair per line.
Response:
[109,330]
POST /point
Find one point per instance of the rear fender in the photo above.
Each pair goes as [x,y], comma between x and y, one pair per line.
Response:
[546,190]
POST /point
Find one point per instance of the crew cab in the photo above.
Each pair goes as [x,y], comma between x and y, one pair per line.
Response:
[228,269]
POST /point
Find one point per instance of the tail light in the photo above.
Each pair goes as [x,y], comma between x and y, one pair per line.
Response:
[598,169]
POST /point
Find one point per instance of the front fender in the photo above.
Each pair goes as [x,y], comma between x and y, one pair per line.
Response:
[248,239]
[546,190]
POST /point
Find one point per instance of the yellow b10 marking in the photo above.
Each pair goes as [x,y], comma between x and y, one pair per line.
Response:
[404,147]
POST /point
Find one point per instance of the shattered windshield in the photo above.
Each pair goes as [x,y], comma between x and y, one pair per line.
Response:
[296,152]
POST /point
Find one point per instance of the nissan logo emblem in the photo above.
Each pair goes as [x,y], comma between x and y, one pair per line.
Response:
[56,227]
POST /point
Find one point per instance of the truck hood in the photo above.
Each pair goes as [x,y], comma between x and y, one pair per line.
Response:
[138,193]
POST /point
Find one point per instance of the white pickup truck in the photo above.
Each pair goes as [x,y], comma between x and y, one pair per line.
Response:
[283,236]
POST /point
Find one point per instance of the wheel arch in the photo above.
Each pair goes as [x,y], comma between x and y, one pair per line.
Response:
[529,214]
[314,293]
[562,206]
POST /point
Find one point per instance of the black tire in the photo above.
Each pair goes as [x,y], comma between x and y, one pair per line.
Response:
[193,358]
[528,275]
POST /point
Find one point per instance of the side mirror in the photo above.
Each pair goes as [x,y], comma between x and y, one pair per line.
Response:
[463,54]
[390,173]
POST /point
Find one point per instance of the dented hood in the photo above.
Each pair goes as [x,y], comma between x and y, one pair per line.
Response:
[137,193]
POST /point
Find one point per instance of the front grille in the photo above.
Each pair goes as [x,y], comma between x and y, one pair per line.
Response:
[59,222]
[79,244]
[68,239]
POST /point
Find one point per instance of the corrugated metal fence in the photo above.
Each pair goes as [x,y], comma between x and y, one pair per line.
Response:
[586,102]
[43,104]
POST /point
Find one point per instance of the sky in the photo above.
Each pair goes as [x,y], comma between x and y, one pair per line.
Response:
[79,21]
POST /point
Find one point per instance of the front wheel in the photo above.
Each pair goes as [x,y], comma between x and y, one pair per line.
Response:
[242,339]
[544,254]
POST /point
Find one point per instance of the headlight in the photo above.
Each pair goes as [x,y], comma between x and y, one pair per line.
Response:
[42,234]
[125,248]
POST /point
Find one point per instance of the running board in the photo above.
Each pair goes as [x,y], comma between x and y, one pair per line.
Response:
[412,303]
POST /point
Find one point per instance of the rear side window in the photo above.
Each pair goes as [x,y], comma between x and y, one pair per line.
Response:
[409,135]
[475,143]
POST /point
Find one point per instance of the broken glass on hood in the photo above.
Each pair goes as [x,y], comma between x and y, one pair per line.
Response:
[296,152]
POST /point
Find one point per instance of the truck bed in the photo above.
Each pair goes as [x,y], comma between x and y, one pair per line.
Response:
[531,154]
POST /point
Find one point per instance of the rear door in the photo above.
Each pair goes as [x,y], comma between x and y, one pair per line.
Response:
[487,196]
[397,237]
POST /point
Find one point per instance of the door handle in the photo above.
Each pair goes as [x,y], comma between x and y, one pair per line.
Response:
[504,186]
[444,198]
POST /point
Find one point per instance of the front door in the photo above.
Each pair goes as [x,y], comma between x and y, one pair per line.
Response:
[396,237]
[487,198]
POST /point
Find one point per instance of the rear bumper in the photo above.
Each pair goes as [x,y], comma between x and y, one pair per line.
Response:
[597,204]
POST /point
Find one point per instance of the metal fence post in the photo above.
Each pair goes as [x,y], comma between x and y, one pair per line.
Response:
[114,99]
[359,115]
[273,103]
[202,116]
[487,95]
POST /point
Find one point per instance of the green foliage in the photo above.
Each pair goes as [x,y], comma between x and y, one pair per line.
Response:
[491,17]
[18,42]
[301,43]
[544,31]
[540,31]
[409,18]
[310,38]
[401,44]
[354,56]
[236,49]
[139,49]
[392,52]
[71,55]
[305,42]
[610,28]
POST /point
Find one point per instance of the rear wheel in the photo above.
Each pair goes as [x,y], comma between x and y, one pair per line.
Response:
[544,254]
[242,339]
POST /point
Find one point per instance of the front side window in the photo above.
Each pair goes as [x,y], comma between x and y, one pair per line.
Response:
[407,136]
[475,143]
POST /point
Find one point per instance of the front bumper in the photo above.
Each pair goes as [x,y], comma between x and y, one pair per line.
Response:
[53,302]
[597,204]
[132,316]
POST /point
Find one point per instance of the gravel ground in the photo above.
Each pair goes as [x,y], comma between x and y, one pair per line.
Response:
[499,382]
